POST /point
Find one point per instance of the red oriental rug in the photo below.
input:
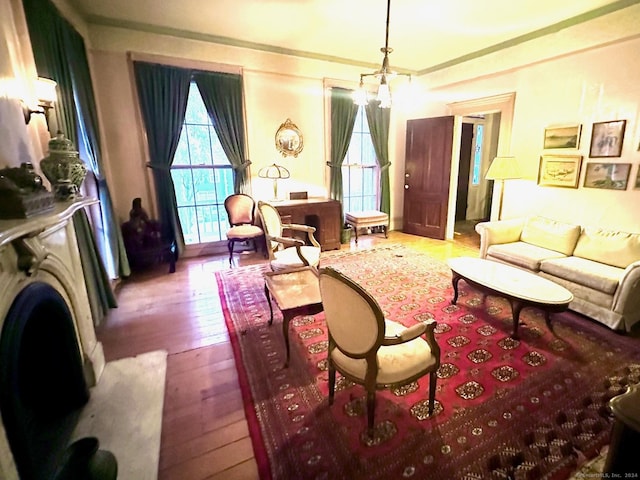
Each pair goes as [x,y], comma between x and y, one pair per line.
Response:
[529,408]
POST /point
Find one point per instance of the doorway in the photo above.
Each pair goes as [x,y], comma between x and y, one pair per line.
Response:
[478,145]
[497,115]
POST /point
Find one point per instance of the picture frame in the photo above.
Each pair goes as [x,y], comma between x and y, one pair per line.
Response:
[637,185]
[607,138]
[610,176]
[559,170]
[562,136]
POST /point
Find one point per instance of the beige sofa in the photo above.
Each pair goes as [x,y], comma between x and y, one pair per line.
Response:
[600,267]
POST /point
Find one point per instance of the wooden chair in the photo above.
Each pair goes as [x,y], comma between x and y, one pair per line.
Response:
[369,350]
[287,252]
[241,214]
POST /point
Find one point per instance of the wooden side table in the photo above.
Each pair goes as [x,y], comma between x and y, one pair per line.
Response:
[622,458]
[296,292]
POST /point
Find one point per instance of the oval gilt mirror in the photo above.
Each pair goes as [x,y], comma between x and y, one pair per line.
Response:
[289,139]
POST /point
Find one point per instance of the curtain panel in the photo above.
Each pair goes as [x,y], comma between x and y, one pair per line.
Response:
[223,99]
[60,54]
[163,92]
[378,119]
[343,119]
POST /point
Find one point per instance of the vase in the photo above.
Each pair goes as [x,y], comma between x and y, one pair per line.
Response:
[63,168]
[345,235]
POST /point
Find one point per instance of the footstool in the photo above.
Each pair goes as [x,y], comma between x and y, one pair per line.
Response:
[368,219]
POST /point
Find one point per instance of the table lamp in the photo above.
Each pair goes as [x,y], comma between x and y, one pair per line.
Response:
[275,172]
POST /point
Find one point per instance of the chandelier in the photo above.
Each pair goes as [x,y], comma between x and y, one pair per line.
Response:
[383,75]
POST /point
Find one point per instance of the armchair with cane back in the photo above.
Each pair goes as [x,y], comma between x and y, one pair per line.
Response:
[287,252]
[369,350]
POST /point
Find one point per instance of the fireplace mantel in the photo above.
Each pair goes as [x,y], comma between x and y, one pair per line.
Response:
[44,248]
[11,230]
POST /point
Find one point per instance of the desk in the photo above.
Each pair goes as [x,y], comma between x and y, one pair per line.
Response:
[322,213]
[296,292]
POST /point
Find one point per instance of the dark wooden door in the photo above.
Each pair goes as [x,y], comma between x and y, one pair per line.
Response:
[427,176]
[466,143]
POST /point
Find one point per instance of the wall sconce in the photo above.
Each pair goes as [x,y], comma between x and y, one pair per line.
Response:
[275,172]
[46,93]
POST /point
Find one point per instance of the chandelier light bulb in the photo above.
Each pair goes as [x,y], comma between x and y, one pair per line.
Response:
[384,94]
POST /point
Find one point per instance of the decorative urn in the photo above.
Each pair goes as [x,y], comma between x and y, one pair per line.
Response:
[63,168]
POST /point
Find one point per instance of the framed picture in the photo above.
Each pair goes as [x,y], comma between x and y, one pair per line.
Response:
[612,176]
[637,187]
[606,139]
[565,136]
[559,170]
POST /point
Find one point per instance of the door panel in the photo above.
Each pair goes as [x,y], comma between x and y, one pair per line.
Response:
[427,176]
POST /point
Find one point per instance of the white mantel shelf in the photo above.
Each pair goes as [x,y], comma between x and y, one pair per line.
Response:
[12,229]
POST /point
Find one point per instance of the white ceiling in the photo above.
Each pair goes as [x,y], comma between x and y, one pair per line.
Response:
[423,33]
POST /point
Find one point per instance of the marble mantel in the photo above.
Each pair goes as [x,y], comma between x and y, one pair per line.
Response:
[44,248]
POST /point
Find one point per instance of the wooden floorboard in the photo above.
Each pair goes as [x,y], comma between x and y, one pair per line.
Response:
[204,430]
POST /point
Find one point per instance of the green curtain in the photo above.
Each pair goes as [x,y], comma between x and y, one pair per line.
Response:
[86,106]
[343,118]
[222,96]
[55,47]
[47,33]
[163,92]
[378,119]
[100,298]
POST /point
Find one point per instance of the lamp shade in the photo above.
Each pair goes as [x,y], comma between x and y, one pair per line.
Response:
[503,168]
[46,91]
[274,172]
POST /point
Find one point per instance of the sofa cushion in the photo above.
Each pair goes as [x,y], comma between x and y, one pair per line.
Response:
[551,234]
[613,248]
[596,275]
[522,254]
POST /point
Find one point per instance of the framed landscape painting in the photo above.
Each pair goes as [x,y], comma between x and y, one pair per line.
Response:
[612,176]
[559,170]
[565,136]
[606,139]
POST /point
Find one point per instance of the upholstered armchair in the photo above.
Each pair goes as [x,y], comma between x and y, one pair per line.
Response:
[240,210]
[287,252]
[369,350]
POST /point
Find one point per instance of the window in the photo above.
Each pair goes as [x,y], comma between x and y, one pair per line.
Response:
[360,171]
[477,153]
[202,176]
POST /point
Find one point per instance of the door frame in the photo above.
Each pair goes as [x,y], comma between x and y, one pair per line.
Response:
[504,104]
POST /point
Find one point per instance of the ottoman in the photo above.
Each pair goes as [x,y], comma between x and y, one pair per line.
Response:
[367,219]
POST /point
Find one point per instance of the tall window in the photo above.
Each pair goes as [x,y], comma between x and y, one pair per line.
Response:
[478,139]
[360,171]
[202,176]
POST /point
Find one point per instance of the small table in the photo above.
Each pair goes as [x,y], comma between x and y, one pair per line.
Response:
[296,292]
[622,457]
[521,288]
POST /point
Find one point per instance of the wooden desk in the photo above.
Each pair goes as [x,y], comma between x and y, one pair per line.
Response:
[322,213]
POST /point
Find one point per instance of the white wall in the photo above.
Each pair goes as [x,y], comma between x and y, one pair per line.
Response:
[592,86]
[276,87]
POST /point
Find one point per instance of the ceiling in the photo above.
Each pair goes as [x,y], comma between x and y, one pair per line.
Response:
[425,34]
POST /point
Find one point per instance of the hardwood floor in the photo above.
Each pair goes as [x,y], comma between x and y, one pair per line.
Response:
[204,431]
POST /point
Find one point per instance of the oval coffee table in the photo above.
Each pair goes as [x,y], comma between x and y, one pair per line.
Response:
[521,288]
